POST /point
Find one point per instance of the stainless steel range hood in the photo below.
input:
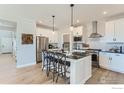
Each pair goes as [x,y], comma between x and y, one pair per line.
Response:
[95,34]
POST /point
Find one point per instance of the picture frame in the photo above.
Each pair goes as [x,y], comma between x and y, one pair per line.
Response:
[27,38]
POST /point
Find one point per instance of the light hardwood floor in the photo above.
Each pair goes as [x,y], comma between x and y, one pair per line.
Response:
[103,76]
[9,74]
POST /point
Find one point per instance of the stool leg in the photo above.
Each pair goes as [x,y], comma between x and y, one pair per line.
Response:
[47,68]
[53,71]
[57,73]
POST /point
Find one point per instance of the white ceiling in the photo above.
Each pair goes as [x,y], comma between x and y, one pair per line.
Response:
[44,12]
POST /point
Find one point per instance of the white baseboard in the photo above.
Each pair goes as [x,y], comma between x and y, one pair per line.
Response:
[25,65]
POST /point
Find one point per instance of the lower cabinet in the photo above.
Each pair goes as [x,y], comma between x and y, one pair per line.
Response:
[112,61]
[104,60]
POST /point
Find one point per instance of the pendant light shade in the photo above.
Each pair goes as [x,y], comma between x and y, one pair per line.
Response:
[53,23]
[71,27]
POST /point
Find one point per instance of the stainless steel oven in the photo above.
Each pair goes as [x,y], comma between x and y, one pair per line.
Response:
[95,57]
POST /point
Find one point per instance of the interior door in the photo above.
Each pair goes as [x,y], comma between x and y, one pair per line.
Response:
[6,45]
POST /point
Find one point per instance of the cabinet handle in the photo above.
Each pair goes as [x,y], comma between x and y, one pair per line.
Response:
[110,58]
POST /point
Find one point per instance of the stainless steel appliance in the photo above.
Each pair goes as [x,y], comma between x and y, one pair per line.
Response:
[66,46]
[41,44]
[95,56]
[95,34]
[77,38]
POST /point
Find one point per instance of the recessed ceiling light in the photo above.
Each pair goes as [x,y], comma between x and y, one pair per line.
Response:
[104,12]
[77,21]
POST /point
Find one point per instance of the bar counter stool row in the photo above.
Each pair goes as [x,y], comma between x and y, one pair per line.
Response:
[56,63]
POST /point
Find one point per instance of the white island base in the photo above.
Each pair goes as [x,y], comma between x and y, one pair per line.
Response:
[80,70]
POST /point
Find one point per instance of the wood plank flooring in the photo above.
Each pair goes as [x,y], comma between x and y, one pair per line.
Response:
[103,76]
[9,74]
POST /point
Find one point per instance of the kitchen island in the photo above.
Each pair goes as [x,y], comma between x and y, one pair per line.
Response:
[80,69]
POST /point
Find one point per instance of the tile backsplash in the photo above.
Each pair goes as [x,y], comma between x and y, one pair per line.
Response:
[105,45]
[115,45]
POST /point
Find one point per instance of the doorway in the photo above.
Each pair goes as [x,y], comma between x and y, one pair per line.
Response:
[7,43]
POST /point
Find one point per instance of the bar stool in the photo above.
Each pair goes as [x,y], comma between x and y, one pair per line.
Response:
[51,63]
[62,67]
[45,61]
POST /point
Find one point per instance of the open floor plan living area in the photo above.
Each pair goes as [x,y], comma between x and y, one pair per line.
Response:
[62,44]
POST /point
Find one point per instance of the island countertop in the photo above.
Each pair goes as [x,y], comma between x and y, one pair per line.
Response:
[76,57]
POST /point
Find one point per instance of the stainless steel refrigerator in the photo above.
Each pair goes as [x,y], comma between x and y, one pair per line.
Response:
[41,44]
[66,46]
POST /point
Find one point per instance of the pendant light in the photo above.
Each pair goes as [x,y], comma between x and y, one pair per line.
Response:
[72,26]
[53,23]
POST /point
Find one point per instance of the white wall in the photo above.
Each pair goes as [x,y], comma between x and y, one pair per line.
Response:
[26,54]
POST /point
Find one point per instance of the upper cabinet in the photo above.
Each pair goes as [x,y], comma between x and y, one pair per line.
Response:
[66,38]
[114,31]
[119,30]
[109,31]
[78,31]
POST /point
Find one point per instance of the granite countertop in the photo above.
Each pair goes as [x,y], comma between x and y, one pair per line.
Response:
[112,52]
[75,55]
[78,55]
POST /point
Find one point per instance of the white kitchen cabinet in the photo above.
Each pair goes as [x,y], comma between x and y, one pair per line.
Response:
[78,31]
[109,31]
[53,37]
[66,38]
[117,63]
[104,60]
[112,61]
[119,30]
[80,70]
[114,31]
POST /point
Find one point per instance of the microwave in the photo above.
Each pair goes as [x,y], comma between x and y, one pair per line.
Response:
[77,38]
